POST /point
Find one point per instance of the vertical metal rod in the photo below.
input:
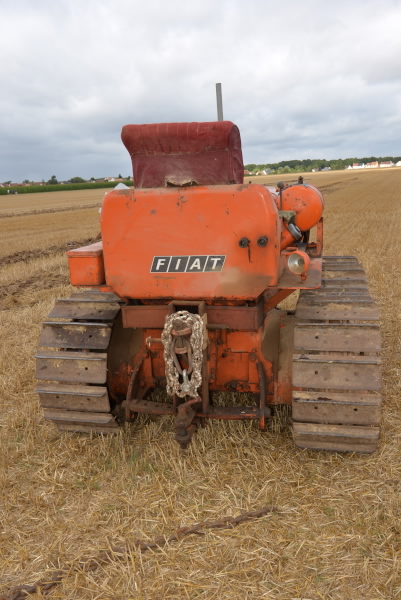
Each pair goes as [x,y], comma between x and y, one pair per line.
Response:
[219,100]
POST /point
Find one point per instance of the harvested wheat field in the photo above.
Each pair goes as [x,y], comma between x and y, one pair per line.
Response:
[329,525]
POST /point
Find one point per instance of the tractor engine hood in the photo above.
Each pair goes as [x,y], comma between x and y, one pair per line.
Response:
[204,242]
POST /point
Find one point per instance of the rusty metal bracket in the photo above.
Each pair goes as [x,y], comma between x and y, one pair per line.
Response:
[184,423]
[265,411]
[127,404]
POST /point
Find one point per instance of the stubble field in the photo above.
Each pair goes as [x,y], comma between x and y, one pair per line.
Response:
[335,533]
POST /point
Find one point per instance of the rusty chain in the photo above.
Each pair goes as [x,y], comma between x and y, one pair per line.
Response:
[191,380]
[20,592]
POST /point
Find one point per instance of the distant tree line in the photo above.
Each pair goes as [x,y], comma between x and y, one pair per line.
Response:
[59,187]
[315,164]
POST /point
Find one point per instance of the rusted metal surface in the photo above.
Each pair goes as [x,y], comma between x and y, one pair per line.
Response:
[352,408]
[93,336]
[333,311]
[241,318]
[262,397]
[339,438]
[121,356]
[336,364]
[319,239]
[75,367]
[235,413]
[184,423]
[147,316]
[102,295]
[344,284]
[150,407]
[338,372]
[79,402]
[90,398]
[128,404]
[347,337]
[283,377]
[346,274]
[327,299]
[72,417]
[224,413]
[87,310]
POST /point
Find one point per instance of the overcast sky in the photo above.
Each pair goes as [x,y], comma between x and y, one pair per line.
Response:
[301,78]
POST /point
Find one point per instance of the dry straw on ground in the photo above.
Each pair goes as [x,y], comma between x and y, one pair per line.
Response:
[337,532]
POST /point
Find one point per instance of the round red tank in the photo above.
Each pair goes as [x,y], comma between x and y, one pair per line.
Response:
[307,203]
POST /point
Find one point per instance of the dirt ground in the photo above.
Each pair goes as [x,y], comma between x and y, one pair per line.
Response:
[335,532]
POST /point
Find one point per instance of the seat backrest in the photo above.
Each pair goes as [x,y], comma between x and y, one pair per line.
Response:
[181,154]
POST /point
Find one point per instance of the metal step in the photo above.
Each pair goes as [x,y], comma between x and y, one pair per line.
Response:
[342,266]
[89,398]
[69,420]
[337,311]
[87,310]
[345,258]
[314,298]
[340,438]
[336,372]
[347,408]
[334,293]
[74,367]
[345,275]
[91,336]
[344,284]
[95,296]
[327,337]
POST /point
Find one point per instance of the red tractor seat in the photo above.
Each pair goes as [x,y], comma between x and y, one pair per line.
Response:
[181,154]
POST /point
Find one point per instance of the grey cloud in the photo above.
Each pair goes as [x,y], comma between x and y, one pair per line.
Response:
[300,79]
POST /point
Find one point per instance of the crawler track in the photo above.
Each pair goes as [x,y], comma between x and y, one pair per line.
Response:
[72,363]
[336,362]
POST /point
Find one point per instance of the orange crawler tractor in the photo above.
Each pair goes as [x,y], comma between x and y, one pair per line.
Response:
[182,293]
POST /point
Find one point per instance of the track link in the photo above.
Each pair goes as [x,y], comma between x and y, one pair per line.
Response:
[71,365]
[336,363]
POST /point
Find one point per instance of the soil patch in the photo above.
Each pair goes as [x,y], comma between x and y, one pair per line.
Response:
[27,255]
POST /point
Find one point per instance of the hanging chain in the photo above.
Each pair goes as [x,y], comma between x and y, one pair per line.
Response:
[177,328]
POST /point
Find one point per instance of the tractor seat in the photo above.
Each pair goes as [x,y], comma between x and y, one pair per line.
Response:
[184,154]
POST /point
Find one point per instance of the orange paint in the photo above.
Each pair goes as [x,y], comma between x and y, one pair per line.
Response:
[86,265]
[237,227]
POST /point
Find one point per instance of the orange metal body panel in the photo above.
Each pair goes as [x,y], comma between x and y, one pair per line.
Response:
[232,361]
[306,201]
[86,265]
[139,225]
